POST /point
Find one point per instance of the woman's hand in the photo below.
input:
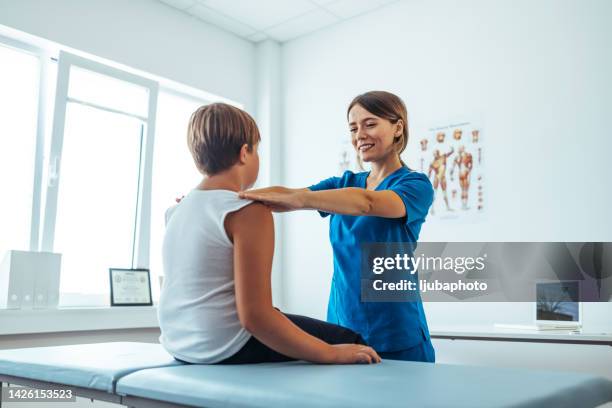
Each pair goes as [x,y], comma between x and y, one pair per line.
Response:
[278,199]
[354,354]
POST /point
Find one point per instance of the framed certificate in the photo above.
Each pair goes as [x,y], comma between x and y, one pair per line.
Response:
[130,287]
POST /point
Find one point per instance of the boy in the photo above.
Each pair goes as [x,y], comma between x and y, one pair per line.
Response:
[216,304]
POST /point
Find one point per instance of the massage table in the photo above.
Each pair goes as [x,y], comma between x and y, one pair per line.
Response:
[91,370]
[144,375]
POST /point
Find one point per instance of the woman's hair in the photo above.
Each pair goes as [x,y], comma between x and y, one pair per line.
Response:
[215,135]
[387,106]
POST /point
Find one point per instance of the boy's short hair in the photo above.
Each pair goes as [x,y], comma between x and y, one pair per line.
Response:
[215,135]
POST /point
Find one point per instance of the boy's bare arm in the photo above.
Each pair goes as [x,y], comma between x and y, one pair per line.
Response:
[252,231]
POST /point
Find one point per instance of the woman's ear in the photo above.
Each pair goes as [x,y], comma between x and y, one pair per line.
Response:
[399,128]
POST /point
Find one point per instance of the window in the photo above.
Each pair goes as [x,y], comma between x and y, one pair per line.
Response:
[174,172]
[88,183]
[97,198]
[19,82]
[98,204]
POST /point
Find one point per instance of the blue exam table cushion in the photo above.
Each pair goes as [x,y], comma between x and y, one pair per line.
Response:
[93,366]
[389,384]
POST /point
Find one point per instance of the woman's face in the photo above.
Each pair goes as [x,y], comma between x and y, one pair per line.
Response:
[371,135]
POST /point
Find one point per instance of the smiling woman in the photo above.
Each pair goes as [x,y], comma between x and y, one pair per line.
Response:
[386,205]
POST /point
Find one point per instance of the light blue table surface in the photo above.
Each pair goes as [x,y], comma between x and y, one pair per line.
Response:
[94,366]
[389,384]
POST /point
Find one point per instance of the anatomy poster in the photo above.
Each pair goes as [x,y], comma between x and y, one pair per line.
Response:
[348,157]
[452,156]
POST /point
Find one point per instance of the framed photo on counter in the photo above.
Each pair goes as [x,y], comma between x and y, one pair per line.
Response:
[130,287]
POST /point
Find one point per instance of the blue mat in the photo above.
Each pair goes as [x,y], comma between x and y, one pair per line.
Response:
[93,366]
[389,384]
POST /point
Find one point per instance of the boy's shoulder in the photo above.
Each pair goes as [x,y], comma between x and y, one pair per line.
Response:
[254,220]
[253,213]
[254,208]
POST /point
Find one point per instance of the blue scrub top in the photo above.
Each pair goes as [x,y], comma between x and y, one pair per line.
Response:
[386,326]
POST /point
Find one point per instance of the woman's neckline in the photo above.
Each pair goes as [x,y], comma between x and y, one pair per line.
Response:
[367,174]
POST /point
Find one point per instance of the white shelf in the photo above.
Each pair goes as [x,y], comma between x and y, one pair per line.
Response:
[501,334]
[20,321]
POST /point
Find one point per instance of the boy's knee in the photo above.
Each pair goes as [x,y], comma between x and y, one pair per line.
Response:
[354,337]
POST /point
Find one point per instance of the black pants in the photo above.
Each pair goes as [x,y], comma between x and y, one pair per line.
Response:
[255,351]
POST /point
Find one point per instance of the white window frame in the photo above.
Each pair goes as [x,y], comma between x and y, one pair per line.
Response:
[140,256]
[44,58]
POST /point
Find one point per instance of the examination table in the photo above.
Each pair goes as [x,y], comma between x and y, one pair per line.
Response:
[144,375]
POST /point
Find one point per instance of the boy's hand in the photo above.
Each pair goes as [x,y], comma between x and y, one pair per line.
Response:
[355,354]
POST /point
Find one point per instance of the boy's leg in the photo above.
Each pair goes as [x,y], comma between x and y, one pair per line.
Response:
[257,352]
[328,332]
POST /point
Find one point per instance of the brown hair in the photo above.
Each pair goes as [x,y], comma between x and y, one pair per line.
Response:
[387,106]
[215,135]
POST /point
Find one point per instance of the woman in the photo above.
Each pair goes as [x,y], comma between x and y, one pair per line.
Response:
[385,205]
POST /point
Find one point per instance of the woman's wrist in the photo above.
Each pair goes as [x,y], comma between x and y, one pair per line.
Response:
[305,199]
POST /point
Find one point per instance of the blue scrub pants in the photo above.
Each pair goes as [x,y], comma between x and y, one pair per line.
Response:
[423,351]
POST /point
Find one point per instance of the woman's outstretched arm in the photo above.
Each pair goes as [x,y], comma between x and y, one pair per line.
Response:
[252,232]
[348,201]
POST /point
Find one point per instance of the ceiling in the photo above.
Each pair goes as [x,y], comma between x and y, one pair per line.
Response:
[280,20]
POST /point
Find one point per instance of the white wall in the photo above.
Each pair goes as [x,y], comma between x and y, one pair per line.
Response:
[143,34]
[535,74]
[268,116]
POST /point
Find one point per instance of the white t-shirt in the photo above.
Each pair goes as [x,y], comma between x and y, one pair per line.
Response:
[197,308]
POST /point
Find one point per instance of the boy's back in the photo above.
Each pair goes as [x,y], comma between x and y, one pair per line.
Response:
[197,310]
